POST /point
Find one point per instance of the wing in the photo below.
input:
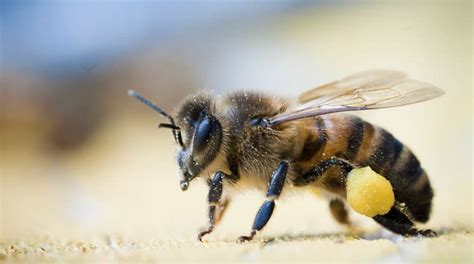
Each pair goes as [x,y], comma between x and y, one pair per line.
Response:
[362,91]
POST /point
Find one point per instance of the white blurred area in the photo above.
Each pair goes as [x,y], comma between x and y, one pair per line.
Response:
[123,181]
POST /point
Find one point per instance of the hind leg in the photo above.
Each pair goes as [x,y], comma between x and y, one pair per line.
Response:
[339,211]
[399,223]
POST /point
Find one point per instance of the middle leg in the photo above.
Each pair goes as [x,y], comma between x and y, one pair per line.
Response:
[274,189]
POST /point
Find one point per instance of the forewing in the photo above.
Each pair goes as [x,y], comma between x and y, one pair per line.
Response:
[369,90]
[371,78]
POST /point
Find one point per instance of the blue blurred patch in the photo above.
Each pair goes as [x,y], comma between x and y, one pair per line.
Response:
[76,35]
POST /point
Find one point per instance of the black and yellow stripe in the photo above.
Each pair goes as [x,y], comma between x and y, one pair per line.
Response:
[314,142]
[362,144]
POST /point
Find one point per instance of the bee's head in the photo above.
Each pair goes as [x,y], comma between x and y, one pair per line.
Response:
[202,134]
[197,133]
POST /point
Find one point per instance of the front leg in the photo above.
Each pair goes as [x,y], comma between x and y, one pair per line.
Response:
[217,205]
[274,189]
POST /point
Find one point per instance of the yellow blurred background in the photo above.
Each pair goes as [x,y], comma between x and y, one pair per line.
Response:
[82,160]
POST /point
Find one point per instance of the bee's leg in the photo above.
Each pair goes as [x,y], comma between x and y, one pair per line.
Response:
[220,210]
[314,173]
[215,213]
[217,205]
[339,211]
[399,223]
[274,189]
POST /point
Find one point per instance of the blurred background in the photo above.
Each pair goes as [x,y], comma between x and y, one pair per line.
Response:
[80,159]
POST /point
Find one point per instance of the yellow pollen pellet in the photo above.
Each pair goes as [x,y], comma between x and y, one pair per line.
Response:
[368,192]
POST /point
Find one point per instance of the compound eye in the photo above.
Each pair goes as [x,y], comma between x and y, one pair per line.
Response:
[203,133]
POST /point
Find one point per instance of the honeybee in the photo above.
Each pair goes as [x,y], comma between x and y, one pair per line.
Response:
[251,140]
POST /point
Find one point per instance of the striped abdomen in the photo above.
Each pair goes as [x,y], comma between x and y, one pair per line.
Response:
[362,144]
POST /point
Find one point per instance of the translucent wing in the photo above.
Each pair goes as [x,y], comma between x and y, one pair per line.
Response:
[358,80]
[366,90]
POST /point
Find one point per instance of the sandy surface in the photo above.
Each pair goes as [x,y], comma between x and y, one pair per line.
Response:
[450,246]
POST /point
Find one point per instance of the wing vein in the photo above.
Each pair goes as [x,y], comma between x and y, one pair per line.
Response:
[366,90]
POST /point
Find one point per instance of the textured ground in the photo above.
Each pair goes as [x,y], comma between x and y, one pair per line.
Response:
[451,246]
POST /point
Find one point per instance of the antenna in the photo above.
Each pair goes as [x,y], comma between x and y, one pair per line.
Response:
[175,129]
